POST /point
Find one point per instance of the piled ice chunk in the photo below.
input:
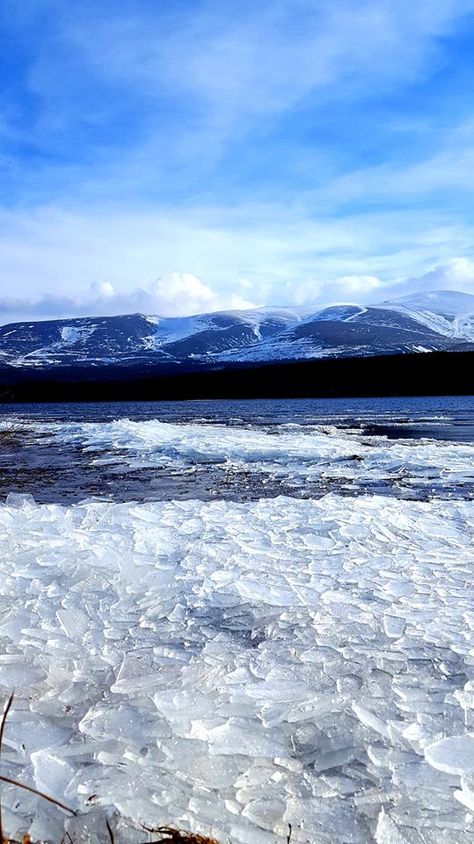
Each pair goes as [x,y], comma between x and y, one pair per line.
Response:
[292,452]
[238,667]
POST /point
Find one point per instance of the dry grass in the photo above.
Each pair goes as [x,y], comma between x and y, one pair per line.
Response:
[168,835]
[12,434]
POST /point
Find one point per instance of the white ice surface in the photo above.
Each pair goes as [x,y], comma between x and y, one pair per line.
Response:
[293,452]
[237,667]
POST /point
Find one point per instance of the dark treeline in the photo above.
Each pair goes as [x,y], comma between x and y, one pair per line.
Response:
[434,373]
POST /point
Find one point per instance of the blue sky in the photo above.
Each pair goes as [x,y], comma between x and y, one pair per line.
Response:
[187,155]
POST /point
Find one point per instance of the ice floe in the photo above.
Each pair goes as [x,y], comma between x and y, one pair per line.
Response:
[295,452]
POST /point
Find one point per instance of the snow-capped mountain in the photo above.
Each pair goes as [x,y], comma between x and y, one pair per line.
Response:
[441,320]
[445,311]
[421,323]
[134,337]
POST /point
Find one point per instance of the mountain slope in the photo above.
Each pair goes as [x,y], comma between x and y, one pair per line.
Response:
[389,328]
[437,321]
[445,311]
[118,339]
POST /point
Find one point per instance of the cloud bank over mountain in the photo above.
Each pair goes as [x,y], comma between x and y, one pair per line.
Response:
[174,294]
[182,294]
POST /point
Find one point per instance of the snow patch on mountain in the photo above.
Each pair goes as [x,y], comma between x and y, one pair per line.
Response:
[445,311]
[443,302]
[71,334]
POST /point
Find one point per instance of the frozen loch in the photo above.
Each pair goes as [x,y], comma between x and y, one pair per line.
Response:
[237,666]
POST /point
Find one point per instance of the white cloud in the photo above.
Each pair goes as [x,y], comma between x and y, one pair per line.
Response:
[175,294]
[198,77]
[357,284]
[59,262]
[227,72]
[450,168]
[180,294]
[456,274]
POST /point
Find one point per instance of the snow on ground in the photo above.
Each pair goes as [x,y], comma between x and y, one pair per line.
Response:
[289,451]
[238,667]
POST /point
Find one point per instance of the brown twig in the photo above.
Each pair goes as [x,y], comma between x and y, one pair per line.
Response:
[110,831]
[20,784]
[38,794]
[171,835]
[4,718]
[2,730]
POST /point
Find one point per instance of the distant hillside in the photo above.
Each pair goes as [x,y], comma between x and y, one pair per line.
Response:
[436,321]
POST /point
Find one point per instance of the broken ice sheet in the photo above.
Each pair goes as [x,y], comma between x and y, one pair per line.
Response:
[248,672]
[387,831]
[292,452]
[453,755]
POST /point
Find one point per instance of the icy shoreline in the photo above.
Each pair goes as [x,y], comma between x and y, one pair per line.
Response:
[131,459]
[237,667]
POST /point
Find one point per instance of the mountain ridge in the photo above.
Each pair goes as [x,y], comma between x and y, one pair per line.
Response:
[432,321]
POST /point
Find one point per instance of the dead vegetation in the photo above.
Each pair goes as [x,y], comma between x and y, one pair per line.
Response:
[169,835]
[12,434]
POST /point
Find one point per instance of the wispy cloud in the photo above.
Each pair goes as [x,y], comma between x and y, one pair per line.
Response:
[268,149]
[267,248]
[259,58]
